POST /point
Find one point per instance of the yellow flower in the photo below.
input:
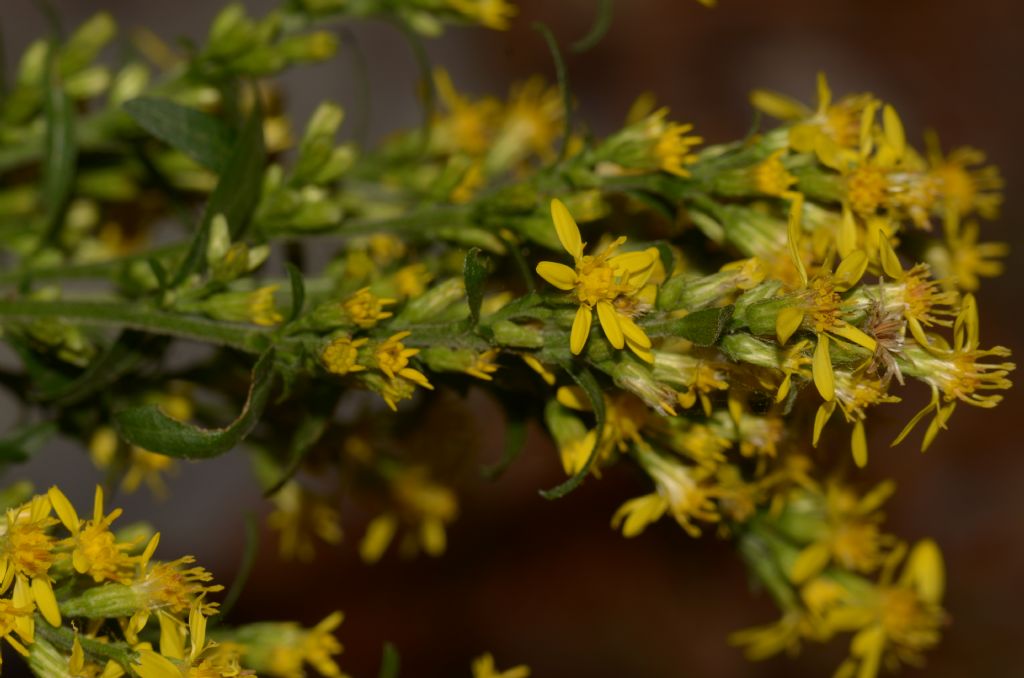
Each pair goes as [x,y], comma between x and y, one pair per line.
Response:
[143,465]
[411,281]
[964,190]
[203,661]
[819,308]
[957,374]
[364,308]
[172,586]
[771,177]
[300,516]
[490,13]
[27,551]
[261,309]
[531,121]
[392,358]
[677,492]
[95,550]
[469,126]
[854,392]
[598,281]
[838,123]
[282,648]
[16,625]
[672,148]
[424,505]
[895,622]
[483,667]
[342,354]
[965,260]
[848,535]
[484,366]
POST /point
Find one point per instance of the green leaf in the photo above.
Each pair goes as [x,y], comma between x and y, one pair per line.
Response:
[390,662]
[149,428]
[24,442]
[515,441]
[200,136]
[597,31]
[474,270]
[252,547]
[60,154]
[701,327]
[235,196]
[298,291]
[585,379]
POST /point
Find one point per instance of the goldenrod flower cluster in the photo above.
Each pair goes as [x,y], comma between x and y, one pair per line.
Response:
[83,598]
[754,300]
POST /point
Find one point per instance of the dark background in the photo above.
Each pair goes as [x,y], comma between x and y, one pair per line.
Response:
[549,584]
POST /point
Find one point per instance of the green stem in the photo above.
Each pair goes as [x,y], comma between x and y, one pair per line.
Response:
[139,317]
[64,639]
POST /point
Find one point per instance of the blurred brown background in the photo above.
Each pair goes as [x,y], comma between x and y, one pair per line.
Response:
[549,584]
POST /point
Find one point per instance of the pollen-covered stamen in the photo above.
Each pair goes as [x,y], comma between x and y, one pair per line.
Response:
[855,392]
[925,300]
[823,303]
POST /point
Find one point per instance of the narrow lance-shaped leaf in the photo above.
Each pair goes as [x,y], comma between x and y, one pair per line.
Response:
[235,195]
[390,662]
[602,22]
[202,137]
[60,152]
[474,271]
[149,428]
[585,379]
[298,285]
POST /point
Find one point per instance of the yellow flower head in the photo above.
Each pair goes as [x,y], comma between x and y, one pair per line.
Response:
[672,148]
[261,309]
[597,282]
[484,366]
[364,308]
[302,517]
[494,14]
[483,667]
[341,356]
[468,126]
[965,189]
[95,550]
[172,586]
[771,176]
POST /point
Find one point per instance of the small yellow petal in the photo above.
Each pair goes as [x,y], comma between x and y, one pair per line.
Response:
[856,336]
[824,379]
[777,105]
[65,511]
[559,275]
[574,398]
[42,593]
[610,324]
[824,92]
[633,332]
[566,228]
[850,270]
[859,444]
[821,418]
[794,231]
[926,571]
[810,562]
[787,322]
[379,534]
[580,329]
[632,262]
[893,129]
